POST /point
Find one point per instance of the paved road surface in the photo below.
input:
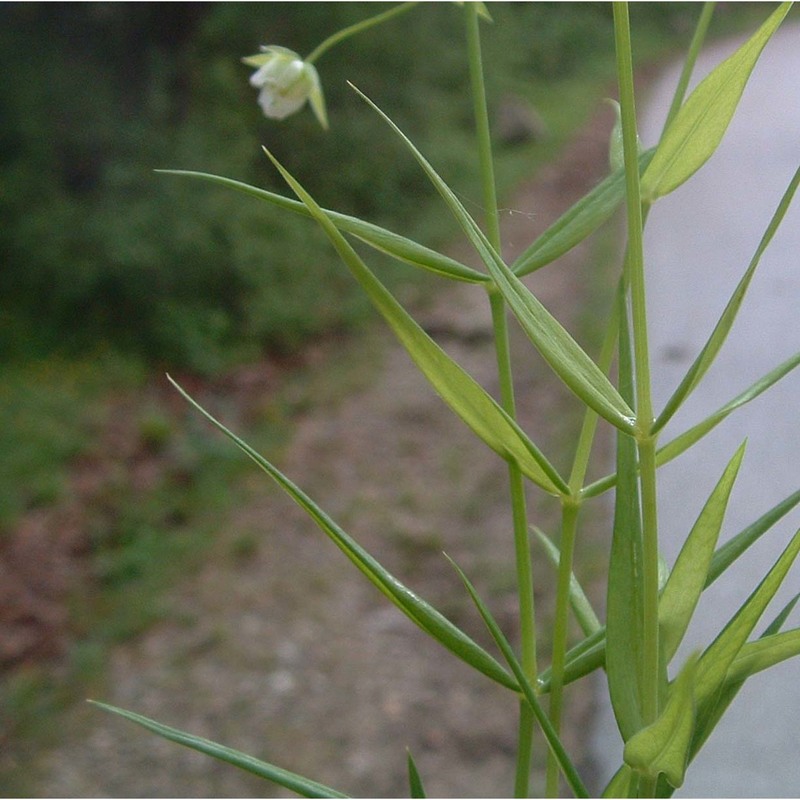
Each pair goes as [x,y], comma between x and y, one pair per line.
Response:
[698,243]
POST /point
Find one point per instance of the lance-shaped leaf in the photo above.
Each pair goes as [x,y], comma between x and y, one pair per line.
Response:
[289,780]
[688,577]
[415,608]
[764,653]
[567,359]
[580,603]
[456,387]
[577,223]
[770,649]
[712,347]
[699,126]
[589,654]
[737,545]
[377,237]
[682,443]
[624,602]
[414,779]
[550,734]
[718,657]
[663,747]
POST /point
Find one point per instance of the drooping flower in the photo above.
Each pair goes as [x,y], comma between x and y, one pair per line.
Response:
[285,82]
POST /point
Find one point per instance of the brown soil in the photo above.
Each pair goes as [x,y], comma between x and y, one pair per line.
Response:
[285,652]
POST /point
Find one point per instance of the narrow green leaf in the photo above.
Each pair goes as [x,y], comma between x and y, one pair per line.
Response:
[688,577]
[564,355]
[764,653]
[624,783]
[624,601]
[417,610]
[583,658]
[456,387]
[567,359]
[712,347]
[772,648]
[553,741]
[414,779]
[379,238]
[682,443]
[289,780]
[578,223]
[700,124]
[581,605]
[737,545]
[718,657]
[663,747]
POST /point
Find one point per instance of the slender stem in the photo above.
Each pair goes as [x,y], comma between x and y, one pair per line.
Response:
[503,353]
[580,463]
[646,441]
[634,215]
[691,57]
[522,776]
[522,552]
[481,112]
[357,28]
[569,528]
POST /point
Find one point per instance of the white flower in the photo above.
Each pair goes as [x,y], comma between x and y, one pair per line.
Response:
[285,82]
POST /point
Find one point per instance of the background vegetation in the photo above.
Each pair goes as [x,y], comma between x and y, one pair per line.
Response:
[99,95]
[111,274]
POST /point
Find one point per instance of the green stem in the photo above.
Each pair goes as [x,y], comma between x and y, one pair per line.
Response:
[522,552]
[646,441]
[482,131]
[503,353]
[691,57]
[634,215]
[569,527]
[351,30]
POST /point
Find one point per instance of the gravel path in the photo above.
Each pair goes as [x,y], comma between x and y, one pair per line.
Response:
[697,246]
[284,652]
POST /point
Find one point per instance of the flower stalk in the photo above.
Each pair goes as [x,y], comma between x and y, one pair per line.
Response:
[503,354]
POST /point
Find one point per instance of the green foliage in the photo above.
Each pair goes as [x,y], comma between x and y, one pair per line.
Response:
[95,246]
[662,723]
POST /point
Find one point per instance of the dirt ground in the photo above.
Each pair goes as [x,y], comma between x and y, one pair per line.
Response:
[286,652]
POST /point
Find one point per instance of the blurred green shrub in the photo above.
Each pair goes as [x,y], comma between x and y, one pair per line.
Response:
[95,96]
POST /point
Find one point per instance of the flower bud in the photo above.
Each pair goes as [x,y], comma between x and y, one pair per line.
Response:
[285,82]
[616,155]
